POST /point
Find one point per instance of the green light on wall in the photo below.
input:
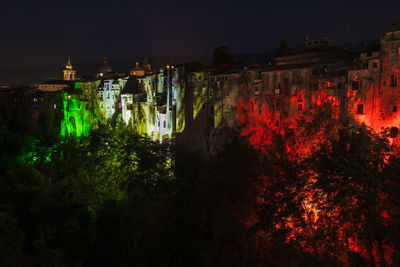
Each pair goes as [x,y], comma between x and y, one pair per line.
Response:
[80,116]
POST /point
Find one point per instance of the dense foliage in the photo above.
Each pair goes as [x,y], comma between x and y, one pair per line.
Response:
[118,199]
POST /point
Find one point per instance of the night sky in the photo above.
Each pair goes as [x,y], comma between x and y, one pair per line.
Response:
[42,33]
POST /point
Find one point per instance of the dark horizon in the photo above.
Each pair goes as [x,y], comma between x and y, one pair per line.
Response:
[46,33]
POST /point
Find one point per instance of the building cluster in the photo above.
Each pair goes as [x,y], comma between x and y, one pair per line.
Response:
[197,101]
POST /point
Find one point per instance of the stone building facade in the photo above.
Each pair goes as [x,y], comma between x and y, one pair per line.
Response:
[197,103]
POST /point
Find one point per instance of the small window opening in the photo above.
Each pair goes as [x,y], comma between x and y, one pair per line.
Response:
[360,109]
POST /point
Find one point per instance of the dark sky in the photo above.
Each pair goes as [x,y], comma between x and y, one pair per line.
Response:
[41,33]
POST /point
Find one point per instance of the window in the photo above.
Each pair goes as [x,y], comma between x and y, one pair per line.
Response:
[276,123]
[355,85]
[108,95]
[165,124]
[211,92]
[394,109]
[394,56]
[393,132]
[300,107]
[393,81]
[360,109]
[158,123]
[211,122]
[374,65]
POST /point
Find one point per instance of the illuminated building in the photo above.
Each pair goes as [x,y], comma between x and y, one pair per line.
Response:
[109,94]
[69,72]
[373,88]
[80,109]
[58,85]
[196,103]
[55,85]
[137,71]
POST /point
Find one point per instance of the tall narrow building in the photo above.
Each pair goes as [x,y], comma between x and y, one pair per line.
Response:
[69,72]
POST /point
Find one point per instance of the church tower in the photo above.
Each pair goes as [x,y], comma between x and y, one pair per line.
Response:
[69,72]
[147,66]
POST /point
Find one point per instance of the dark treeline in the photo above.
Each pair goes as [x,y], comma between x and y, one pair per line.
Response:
[119,199]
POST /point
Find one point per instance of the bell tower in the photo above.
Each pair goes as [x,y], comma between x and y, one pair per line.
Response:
[69,72]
